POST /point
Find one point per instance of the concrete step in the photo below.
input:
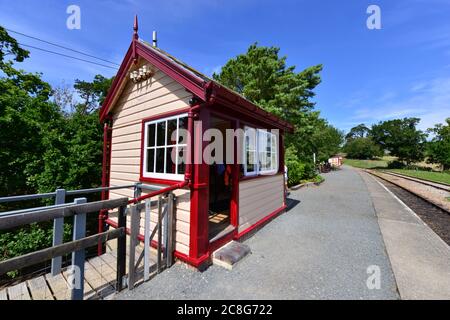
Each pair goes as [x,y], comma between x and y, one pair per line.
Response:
[230,254]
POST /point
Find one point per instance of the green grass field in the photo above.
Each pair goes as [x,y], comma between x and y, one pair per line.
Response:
[367,164]
[443,177]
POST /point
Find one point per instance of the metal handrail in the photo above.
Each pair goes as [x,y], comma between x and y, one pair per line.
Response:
[47,195]
[78,209]
[53,194]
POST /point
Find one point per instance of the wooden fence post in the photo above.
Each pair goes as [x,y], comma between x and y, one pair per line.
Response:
[121,249]
[78,257]
[158,258]
[134,231]
[58,231]
[170,231]
[147,239]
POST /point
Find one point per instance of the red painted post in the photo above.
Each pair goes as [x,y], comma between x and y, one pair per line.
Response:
[199,192]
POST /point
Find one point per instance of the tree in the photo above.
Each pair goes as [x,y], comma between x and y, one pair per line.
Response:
[326,140]
[93,93]
[263,77]
[26,116]
[9,46]
[438,150]
[360,131]
[401,138]
[362,148]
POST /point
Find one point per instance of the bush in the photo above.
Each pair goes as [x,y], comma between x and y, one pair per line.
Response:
[396,164]
[28,239]
[362,148]
[296,171]
[309,171]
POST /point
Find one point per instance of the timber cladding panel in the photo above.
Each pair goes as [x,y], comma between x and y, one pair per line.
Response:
[157,95]
[258,198]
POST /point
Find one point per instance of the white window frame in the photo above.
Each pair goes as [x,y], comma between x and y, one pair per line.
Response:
[254,150]
[177,145]
[261,135]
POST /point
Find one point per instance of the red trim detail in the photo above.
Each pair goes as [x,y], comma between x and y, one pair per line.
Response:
[191,82]
[258,176]
[194,84]
[196,262]
[234,205]
[206,91]
[121,74]
[158,192]
[166,114]
[199,240]
[261,222]
[213,246]
[232,100]
[106,166]
[159,181]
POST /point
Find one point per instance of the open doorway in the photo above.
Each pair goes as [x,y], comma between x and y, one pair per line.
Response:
[220,189]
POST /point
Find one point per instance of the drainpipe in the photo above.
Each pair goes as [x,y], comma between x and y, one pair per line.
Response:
[106,164]
[192,114]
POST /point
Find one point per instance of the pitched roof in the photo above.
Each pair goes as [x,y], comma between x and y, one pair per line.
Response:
[203,87]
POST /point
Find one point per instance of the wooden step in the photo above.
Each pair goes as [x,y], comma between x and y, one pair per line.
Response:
[230,254]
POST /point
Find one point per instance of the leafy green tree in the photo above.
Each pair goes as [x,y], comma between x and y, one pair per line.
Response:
[26,116]
[263,77]
[326,140]
[92,93]
[438,150]
[9,46]
[360,131]
[42,146]
[401,138]
[362,148]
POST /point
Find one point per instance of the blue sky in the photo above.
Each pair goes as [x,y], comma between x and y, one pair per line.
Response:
[369,75]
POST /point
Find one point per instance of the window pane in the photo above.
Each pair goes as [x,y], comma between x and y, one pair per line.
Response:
[274,142]
[183,122]
[150,159]
[274,161]
[182,133]
[250,139]
[181,160]
[160,160]
[262,141]
[269,142]
[161,133]
[251,161]
[151,135]
[269,160]
[171,130]
[170,160]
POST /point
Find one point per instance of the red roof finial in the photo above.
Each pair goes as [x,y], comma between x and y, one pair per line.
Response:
[135,27]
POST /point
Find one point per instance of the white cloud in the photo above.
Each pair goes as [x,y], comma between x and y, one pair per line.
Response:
[429,101]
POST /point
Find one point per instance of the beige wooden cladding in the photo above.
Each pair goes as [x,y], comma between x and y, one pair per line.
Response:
[157,95]
[258,198]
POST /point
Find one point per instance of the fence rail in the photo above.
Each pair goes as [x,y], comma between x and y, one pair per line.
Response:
[163,229]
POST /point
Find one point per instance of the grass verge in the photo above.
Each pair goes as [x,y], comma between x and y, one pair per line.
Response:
[439,177]
[366,164]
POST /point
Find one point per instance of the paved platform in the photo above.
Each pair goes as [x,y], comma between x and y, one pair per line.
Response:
[320,249]
[419,258]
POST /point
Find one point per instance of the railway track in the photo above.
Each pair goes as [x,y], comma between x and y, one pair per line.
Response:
[435,217]
[441,186]
[435,194]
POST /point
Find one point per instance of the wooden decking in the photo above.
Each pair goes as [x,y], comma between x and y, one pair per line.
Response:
[99,282]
